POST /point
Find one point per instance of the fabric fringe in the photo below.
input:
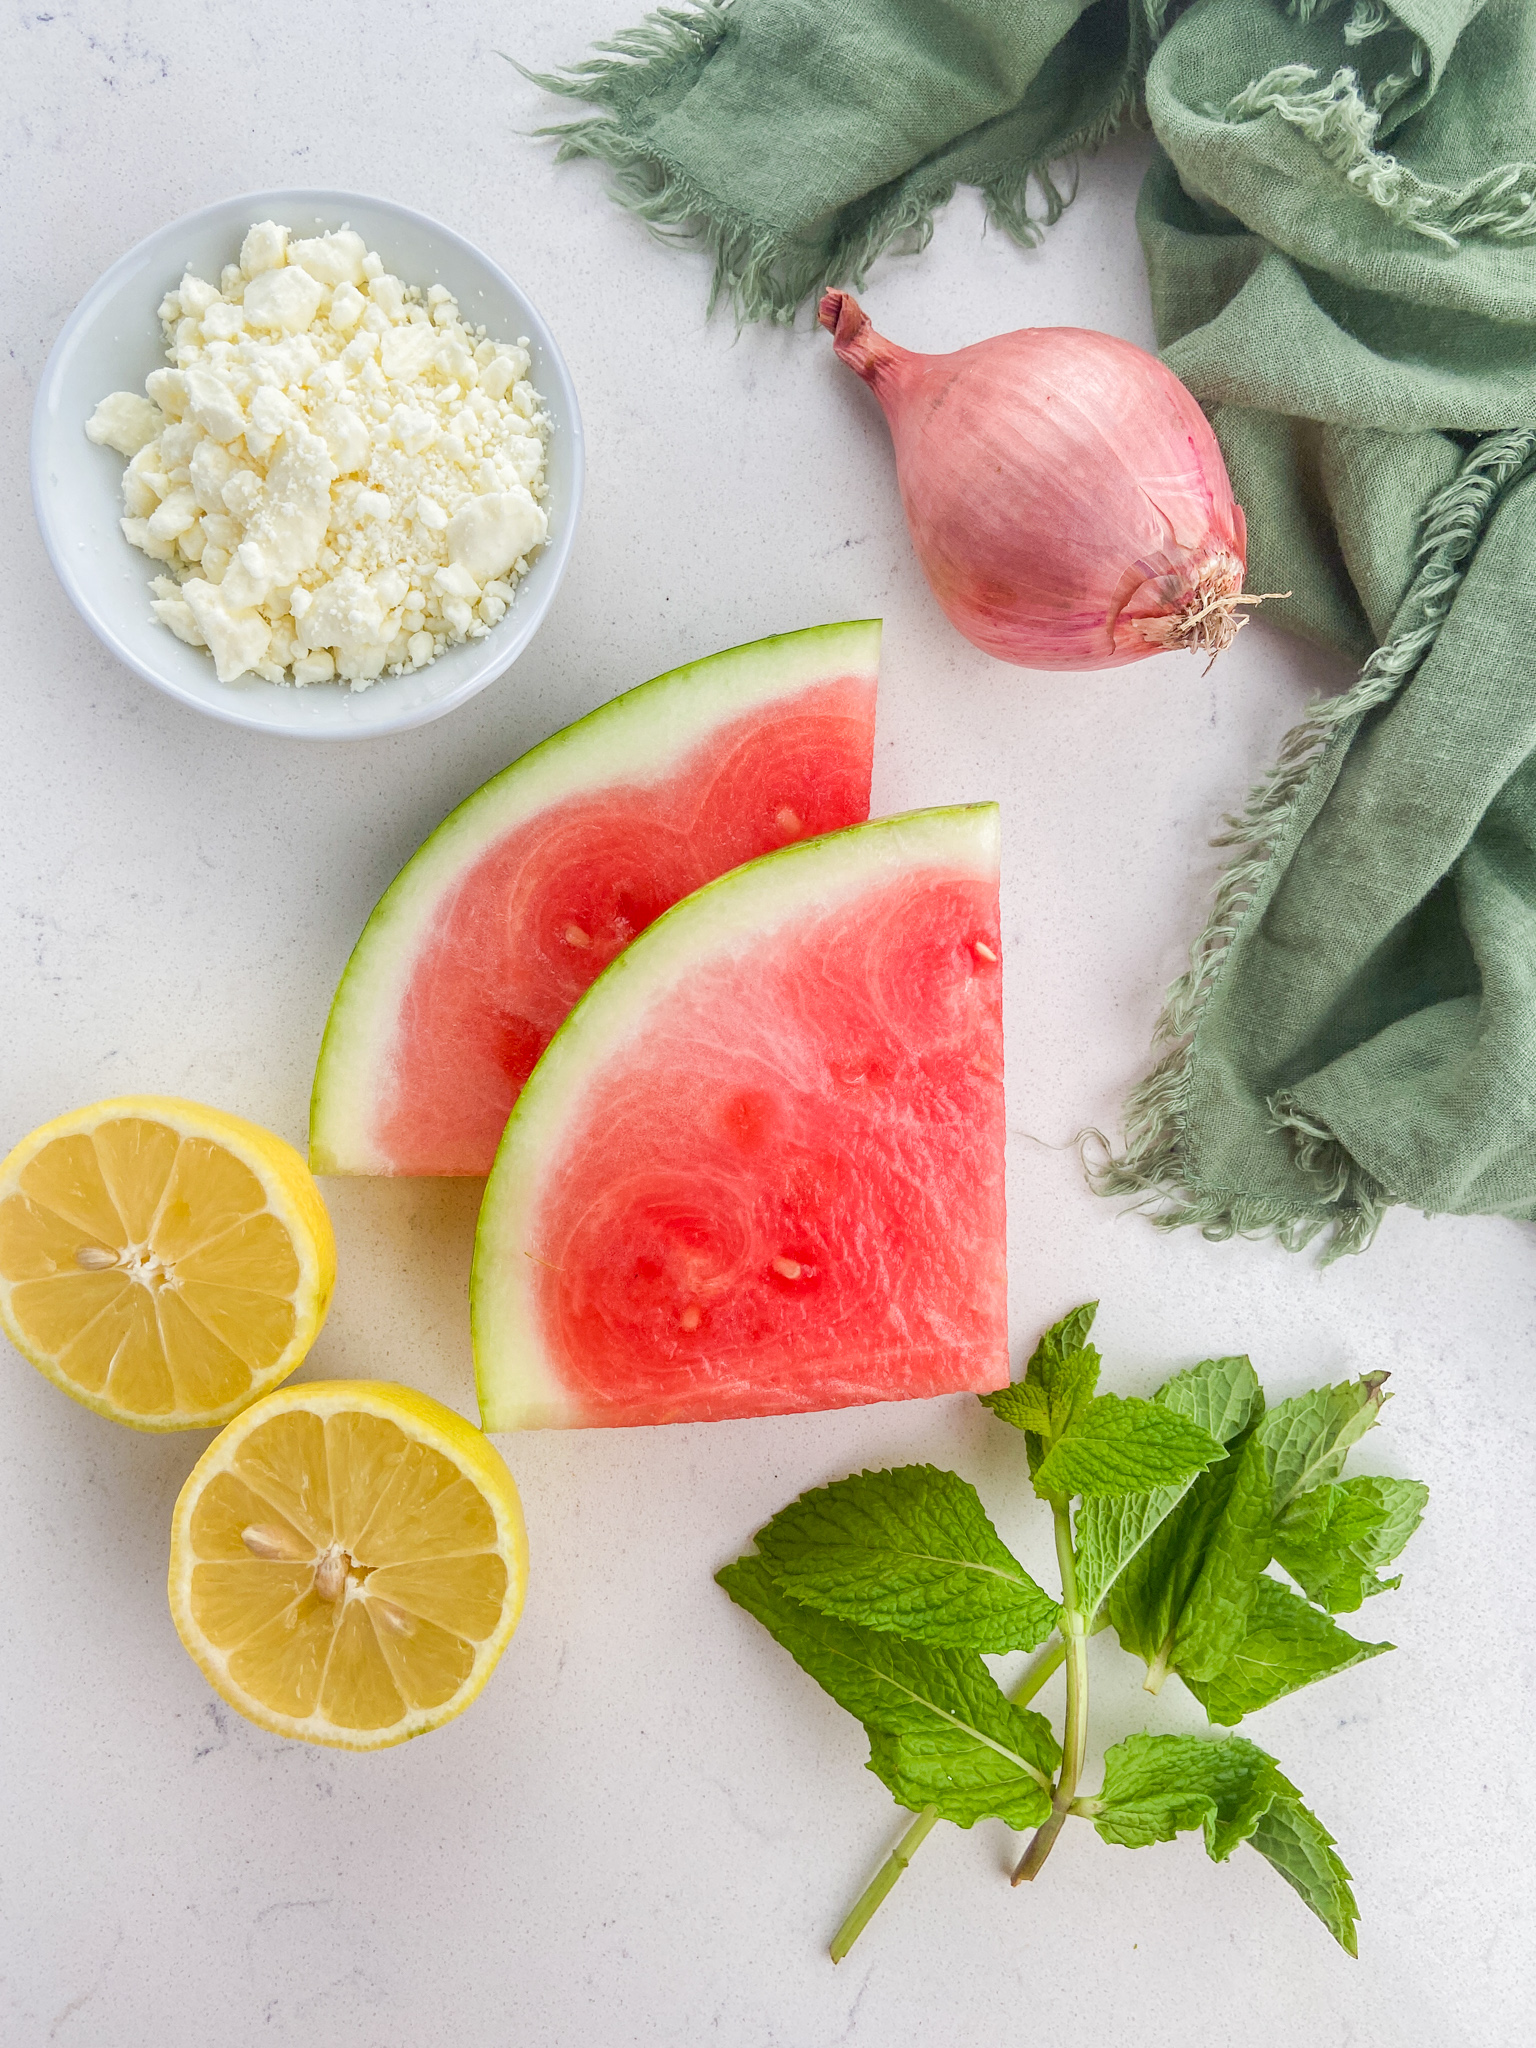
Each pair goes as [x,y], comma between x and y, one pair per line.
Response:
[762,272]
[1007,190]
[1367,18]
[671,44]
[1342,125]
[1155,1166]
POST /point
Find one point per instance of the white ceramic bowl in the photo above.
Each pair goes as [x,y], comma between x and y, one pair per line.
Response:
[112,341]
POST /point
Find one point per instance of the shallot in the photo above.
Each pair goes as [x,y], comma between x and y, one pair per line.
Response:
[1065,493]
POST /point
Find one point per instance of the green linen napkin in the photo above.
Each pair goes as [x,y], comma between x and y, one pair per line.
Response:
[1339,232]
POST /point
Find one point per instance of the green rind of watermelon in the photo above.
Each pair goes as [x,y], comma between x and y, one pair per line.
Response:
[715,941]
[646,738]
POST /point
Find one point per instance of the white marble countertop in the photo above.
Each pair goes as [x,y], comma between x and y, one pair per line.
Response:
[648,1827]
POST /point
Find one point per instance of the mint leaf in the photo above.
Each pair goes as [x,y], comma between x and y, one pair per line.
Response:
[1063,1340]
[1110,1533]
[1115,1446]
[1297,1844]
[1333,1540]
[1145,1604]
[910,1552]
[1306,1440]
[1024,1404]
[1215,1612]
[941,1733]
[1222,1395]
[1058,1383]
[1157,1785]
[1286,1645]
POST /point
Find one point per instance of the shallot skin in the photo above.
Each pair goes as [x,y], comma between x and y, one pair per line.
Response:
[1066,496]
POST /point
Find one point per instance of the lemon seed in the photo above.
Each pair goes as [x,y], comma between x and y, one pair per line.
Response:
[331,1573]
[265,1540]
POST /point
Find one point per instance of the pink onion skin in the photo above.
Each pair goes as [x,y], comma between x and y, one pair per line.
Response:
[1066,496]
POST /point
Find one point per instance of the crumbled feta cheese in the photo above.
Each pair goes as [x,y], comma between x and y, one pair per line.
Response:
[407,352]
[174,515]
[124,422]
[412,428]
[346,437]
[172,610]
[223,323]
[333,259]
[136,532]
[497,378]
[347,308]
[213,404]
[196,296]
[286,298]
[168,390]
[454,581]
[264,248]
[343,476]
[493,532]
[237,636]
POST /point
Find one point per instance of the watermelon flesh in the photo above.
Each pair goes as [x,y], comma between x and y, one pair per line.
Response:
[760,1169]
[512,909]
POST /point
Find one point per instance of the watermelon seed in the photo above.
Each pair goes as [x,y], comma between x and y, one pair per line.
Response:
[790,1268]
[575,936]
[788,821]
[983,952]
[689,1318]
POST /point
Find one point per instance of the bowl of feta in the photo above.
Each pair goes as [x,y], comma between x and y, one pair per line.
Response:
[309,462]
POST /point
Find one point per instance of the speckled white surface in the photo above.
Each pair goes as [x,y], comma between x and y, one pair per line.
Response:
[648,1827]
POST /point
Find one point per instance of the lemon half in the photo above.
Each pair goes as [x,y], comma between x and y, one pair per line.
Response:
[160,1261]
[348,1561]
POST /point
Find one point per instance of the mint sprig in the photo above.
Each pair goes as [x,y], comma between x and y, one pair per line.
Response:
[1168,1514]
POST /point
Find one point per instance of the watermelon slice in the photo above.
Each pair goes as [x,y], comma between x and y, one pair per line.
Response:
[523,895]
[760,1167]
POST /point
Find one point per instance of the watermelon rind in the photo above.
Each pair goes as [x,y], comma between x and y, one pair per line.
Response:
[639,736]
[518,1386]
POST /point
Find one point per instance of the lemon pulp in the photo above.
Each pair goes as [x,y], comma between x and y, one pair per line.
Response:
[348,1561]
[161,1261]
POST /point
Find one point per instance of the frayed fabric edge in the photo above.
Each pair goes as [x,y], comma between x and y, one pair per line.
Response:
[765,273]
[1342,126]
[1156,1167]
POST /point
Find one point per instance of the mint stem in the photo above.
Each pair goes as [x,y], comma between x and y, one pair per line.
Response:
[1045,1666]
[1074,1745]
[875,1892]
[880,1884]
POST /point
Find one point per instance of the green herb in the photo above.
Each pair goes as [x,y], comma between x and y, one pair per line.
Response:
[911,1552]
[888,1588]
